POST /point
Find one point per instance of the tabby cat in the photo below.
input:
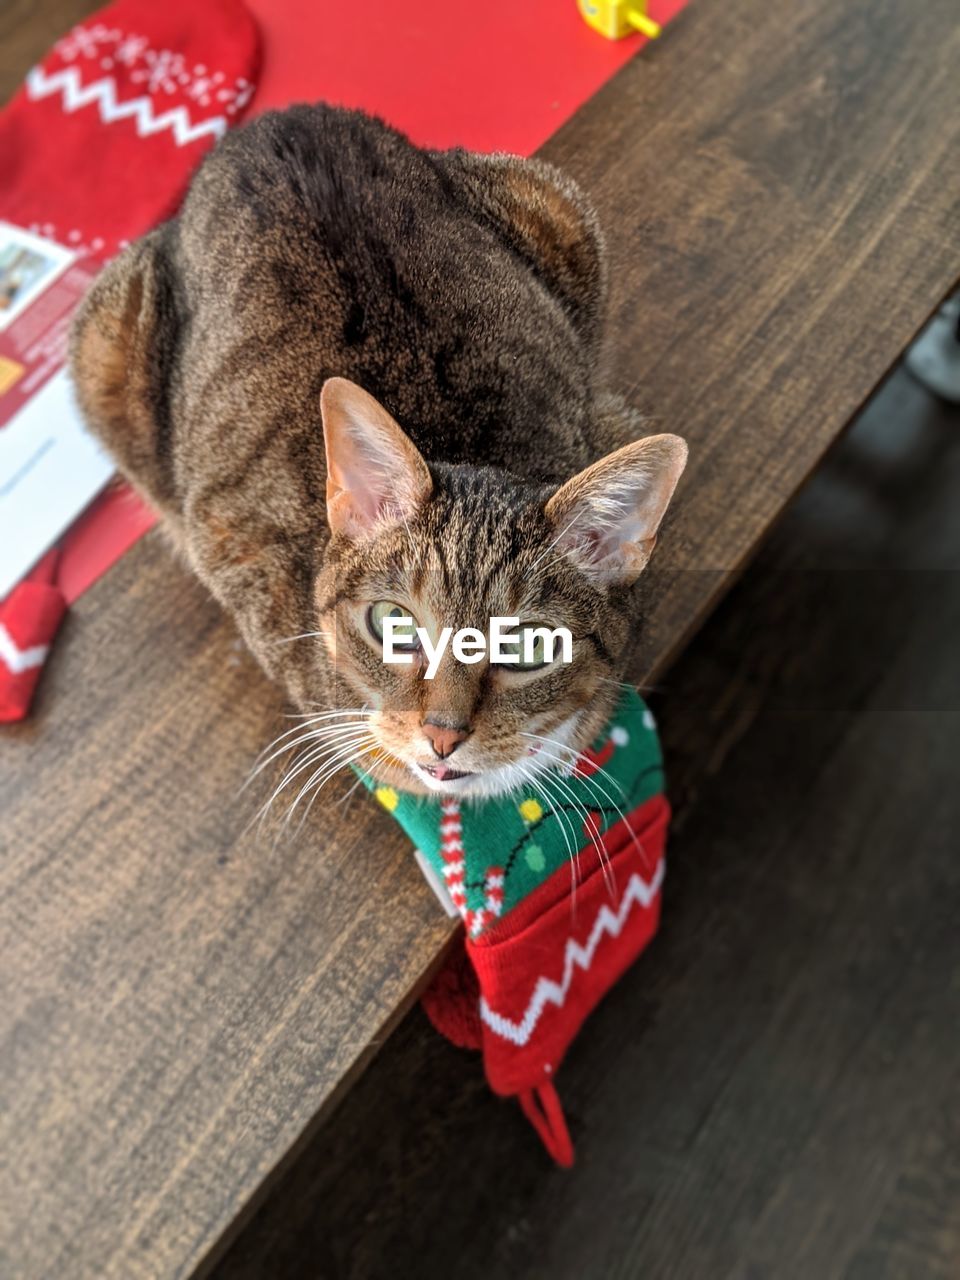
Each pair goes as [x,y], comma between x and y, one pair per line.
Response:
[359,378]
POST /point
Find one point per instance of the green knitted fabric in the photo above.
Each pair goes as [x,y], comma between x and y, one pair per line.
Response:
[513,843]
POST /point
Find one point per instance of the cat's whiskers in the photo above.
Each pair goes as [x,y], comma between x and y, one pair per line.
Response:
[594,783]
[315,712]
[602,854]
[307,735]
[529,774]
[576,755]
[320,717]
[318,779]
[568,795]
[626,684]
[361,752]
[333,764]
[305,635]
[307,742]
[345,799]
[328,744]
[262,760]
[571,761]
[549,547]
[266,807]
[312,740]
[590,827]
[536,764]
[327,753]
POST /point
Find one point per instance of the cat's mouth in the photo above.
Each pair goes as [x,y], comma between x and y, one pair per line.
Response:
[443,772]
[440,777]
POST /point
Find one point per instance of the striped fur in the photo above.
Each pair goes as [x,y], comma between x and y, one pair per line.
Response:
[466,293]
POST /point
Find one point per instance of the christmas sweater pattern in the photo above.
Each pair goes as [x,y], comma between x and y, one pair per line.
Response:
[491,854]
[558,885]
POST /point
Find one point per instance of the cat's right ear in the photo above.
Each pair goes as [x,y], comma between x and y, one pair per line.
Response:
[375,474]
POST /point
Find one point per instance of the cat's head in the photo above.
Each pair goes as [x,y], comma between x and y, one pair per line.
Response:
[453,547]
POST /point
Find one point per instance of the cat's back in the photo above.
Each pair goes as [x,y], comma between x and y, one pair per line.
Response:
[326,242]
[336,195]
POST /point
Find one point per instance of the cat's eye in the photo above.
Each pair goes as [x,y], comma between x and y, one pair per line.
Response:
[404,637]
[529,653]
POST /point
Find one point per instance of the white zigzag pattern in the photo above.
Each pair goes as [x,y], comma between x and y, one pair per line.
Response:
[16,659]
[575,957]
[104,93]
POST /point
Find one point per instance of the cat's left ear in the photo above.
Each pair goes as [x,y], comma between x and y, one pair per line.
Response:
[607,517]
[375,474]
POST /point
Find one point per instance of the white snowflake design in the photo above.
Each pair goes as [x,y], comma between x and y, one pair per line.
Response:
[131,49]
[203,87]
[86,42]
[236,96]
[162,69]
[159,72]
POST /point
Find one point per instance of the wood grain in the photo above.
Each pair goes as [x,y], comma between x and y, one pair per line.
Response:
[27,29]
[776,238]
[770,1093]
[181,1001]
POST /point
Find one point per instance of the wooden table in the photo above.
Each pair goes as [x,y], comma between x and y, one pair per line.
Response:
[181,1002]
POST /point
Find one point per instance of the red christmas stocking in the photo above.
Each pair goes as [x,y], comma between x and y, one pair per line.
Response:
[99,145]
[558,886]
[29,619]
[101,140]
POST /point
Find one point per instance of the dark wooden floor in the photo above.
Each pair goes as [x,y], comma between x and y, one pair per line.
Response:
[773,1091]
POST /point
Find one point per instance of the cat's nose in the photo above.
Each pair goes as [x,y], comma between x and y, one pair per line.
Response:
[443,738]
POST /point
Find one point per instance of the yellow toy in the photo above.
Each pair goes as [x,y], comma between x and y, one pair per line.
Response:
[618,18]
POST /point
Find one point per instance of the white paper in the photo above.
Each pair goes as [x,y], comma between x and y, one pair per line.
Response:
[50,469]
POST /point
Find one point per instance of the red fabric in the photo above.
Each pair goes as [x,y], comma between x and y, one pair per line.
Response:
[533,944]
[540,970]
[452,1001]
[100,141]
[96,540]
[30,617]
[99,145]
[498,76]
[542,1108]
